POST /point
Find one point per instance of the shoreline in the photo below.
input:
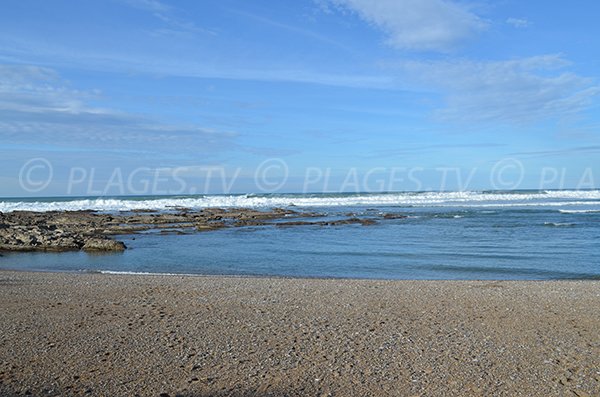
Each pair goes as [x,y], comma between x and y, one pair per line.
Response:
[278,277]
[99,334]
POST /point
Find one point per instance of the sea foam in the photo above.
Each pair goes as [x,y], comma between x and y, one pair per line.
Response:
[407,199]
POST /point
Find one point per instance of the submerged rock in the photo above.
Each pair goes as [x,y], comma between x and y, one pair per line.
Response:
[394,216]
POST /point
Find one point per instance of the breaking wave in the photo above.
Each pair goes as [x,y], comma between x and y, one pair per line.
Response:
[554,198]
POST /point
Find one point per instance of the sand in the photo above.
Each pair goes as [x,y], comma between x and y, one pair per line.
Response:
[94,334]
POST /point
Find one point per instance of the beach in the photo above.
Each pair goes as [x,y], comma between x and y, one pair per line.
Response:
[107,334]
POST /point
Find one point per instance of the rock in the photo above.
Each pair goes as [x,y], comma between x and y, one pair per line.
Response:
[367,222]
[348,221]
[90,231]
[394,216]
[103,244]
[202,227]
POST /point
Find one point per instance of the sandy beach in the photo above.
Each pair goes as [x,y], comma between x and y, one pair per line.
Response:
[97,334]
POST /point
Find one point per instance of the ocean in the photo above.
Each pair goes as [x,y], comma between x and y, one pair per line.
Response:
[508,235]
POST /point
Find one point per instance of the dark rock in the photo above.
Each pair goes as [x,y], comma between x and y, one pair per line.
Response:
[103,244]
[202,227]
[89,230]
[394,216]
[368,222]
[338,222]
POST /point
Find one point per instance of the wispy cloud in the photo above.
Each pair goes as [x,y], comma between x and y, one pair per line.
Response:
[17,50]
[432,25]
[37,107]
[311,34]
[573,151]
[514,91]
[422,149]
[518,22]
[166,13]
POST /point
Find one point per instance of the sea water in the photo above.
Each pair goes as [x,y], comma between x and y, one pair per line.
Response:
[445,235]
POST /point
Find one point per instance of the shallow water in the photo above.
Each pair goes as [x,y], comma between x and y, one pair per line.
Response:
[501,236]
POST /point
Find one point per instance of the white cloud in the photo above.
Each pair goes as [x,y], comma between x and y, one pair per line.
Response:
[518,22]
[515,91]
[12,76]
[37,89]
[437,25]
[37,107]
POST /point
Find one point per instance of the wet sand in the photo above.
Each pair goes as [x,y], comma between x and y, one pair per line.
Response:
[95,334]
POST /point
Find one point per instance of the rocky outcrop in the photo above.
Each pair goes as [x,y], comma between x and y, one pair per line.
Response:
[40,238]
[37,238]
[91,231]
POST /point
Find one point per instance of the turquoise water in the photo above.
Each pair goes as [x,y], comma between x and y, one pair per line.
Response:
[472,235]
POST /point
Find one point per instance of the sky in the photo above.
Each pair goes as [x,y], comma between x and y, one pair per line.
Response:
[144,97]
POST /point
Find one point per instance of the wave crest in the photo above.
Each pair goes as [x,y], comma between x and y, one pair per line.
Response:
[407,199]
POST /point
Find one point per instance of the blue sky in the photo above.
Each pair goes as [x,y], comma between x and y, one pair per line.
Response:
[349,94]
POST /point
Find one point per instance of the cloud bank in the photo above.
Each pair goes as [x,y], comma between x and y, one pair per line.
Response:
[514,91]
[38,107]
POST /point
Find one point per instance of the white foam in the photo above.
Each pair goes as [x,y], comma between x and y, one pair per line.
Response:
[559,224]
[578,211]
[426,199]
[139,273]
[131,273]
